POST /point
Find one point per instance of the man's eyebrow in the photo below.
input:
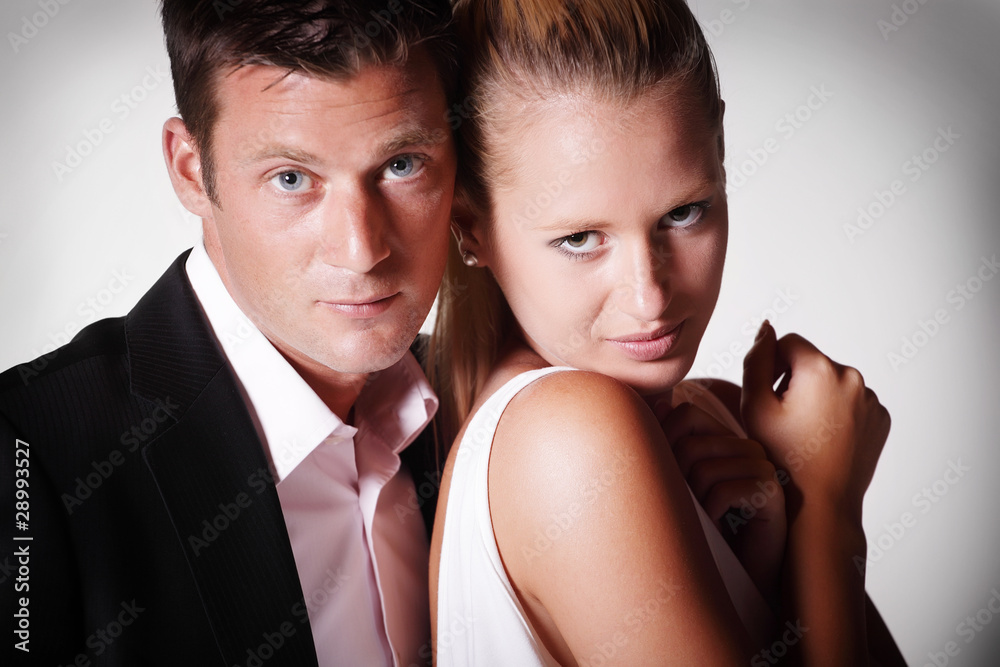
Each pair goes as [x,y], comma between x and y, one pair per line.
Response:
[411,138]
[290,154]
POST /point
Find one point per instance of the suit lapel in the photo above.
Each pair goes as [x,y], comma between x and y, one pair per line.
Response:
[212,474]
[421,457]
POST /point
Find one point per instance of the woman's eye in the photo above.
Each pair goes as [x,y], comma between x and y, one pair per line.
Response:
[581,242]
[403,166]
[291,181]
[685,216]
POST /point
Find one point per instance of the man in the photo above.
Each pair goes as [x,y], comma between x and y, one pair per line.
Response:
[216,477]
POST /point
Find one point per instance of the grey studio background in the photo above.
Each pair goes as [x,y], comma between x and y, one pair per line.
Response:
[863,168]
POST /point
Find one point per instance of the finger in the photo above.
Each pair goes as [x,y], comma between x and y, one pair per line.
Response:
[707,474]
[759,375]
[740,494]
[662,409]
[691,449]
[793,352]
[688,419]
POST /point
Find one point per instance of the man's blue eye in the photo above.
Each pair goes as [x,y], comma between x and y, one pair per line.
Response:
[290,181]
[404,166]
[401,166]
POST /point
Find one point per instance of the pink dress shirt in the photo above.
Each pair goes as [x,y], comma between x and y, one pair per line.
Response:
[360,550]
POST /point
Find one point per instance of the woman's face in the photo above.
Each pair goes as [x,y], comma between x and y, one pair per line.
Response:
[609,235]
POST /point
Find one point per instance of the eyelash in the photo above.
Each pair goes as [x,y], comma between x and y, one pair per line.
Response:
[291,193]
[576,256]
[423,161]
[558,243]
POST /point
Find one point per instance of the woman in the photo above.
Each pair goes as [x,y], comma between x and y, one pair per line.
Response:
[591,229]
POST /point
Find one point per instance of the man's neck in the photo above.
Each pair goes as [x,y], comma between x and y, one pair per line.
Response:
[339,391]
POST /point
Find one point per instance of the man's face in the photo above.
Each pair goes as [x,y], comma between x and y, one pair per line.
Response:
[333,202]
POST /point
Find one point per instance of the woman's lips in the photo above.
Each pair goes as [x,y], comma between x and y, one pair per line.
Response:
[649,346]
[363,309]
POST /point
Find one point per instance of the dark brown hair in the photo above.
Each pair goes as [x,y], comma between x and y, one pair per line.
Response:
[324,38]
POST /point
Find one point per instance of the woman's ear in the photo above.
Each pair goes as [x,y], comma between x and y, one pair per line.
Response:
[470,233]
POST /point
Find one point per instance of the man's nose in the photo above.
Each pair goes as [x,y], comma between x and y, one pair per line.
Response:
[354,230]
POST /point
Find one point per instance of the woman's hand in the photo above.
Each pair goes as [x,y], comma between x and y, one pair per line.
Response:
[823,424]
[738,487]
[828,429]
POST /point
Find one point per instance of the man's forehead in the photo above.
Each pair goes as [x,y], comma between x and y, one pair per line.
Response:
[416,74]
[270,112]
[370,84]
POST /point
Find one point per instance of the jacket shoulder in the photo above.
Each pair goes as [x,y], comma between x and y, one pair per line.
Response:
[104,338]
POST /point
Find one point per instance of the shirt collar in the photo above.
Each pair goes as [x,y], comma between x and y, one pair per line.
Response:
[395,404]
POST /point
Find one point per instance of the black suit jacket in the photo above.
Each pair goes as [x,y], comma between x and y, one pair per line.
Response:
[156,533]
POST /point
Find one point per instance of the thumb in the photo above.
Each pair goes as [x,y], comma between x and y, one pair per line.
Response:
[758,377]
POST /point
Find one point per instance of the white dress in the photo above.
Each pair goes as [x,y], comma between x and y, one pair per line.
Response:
[479,618]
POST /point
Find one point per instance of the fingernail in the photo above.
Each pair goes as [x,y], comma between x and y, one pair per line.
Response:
[763,329]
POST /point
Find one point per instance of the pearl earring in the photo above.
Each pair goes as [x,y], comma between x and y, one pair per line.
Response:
[468,257]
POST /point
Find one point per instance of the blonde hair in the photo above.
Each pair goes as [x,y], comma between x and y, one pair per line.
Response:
[516,52]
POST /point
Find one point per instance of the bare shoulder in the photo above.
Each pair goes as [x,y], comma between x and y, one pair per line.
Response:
[566,446]
[576,413]
[591,514]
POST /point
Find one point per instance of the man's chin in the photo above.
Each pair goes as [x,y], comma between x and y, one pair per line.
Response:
[370,356]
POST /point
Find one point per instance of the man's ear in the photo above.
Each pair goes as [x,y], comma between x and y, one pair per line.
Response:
[184,166]
[468,229]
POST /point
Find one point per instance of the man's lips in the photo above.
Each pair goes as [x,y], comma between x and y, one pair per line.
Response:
[363,308]
[649,346]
